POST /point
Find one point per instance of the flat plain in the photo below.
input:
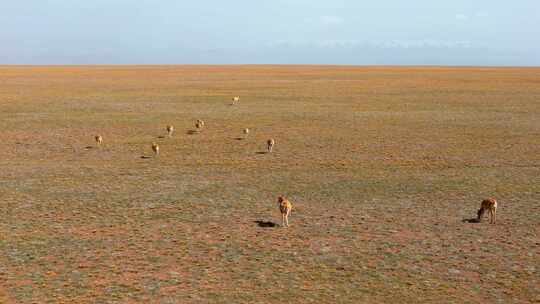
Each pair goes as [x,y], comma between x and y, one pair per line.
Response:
[383,165]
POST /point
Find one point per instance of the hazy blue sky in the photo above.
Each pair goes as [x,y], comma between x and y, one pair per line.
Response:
[463,32]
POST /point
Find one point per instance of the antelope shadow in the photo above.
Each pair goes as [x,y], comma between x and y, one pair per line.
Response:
[266,224]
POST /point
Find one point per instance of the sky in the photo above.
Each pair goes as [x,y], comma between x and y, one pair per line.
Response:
[382,32]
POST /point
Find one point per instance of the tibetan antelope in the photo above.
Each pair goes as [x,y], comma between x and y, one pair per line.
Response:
[155,148]
[285,208]
[235,100]
[199,124]
[170,130]
[99,139]
[246,132]
[270,144]
[489,204]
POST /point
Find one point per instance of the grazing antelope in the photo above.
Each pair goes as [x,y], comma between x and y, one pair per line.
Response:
[489,204]
[170,130]
[246,132]
[270,144]
[201,122]
[285,208]
[99,139]
[235,100]
[155,148]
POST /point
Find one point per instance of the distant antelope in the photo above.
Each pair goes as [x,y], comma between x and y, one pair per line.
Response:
[246,132]
[199,125]
[235,100]
[170,130]
[99,139]
[489,204]
[155,148]
[270,144]
[285,208]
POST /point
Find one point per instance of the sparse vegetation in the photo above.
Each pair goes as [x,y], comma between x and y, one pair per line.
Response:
[380,199]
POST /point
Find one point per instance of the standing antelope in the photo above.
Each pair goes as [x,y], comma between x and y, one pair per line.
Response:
[99,139]
[489,204]
[155,148]
[199,124]
[246,132]
[235,100]
[270,144]
[170,130]
[285,208]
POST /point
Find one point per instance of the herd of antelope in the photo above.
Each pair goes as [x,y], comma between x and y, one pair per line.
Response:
[285,206]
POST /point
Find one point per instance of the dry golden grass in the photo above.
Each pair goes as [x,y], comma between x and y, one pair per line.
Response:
[383,165]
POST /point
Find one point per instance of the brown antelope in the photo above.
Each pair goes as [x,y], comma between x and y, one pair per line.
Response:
[155,148]
[201,122]
[199,125]
[246,132]
[170,130]
[285,208]
[489,204]
[270,144]
[235,100]
[99,139]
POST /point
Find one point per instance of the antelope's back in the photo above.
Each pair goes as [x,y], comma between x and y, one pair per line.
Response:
[285,205]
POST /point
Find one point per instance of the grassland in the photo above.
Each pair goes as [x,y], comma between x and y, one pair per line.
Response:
[382,164]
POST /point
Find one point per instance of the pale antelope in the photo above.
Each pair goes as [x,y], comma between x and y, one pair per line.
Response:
[246,132]
[170,130]
[270,144]
[99,139]
[235,100]
[199,125]
[155,148]
[489,204]
[285,208]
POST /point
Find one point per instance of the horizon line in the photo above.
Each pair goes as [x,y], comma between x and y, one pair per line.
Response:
[262,64]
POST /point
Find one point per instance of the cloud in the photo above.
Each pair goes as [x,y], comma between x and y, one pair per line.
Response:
[461,17]
[416,44]
[481,14]
[375,44]
[331,20]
